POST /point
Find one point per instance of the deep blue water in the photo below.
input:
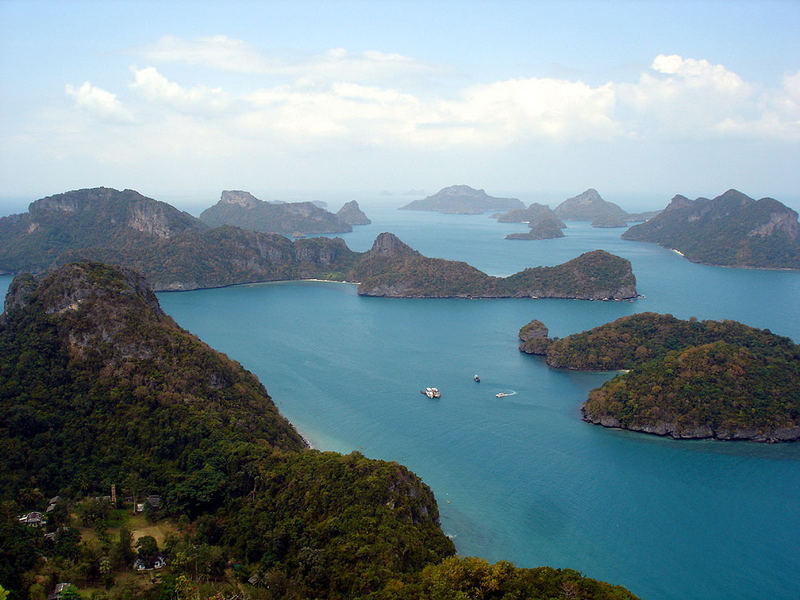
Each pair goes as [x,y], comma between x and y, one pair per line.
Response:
[522,478]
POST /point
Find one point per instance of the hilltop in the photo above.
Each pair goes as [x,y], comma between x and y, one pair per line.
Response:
[99,386]
[463,200]
[244,210]
[686,379]
[730,230]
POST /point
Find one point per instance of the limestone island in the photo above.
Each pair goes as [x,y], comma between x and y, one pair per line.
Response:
[730,230]
[176,251]
[543,222]
[107,405]
[242,209]
[462,200]
[684,379]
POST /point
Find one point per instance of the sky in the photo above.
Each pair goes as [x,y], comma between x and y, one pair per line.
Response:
[292,100]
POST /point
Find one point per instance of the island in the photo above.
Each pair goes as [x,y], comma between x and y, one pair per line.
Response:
[590,206]
[731,230]
[144,463]
[244,210]
[177,252]
[393,269]
[685,379]
[351,214]
[462,200]
[543,222]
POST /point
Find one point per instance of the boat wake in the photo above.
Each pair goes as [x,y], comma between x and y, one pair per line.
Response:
[504,394]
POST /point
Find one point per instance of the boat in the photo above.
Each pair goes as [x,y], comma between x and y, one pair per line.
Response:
[431,392]
[501,395]
[476,378]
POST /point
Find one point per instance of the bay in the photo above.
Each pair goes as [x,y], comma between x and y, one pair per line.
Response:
[522,478]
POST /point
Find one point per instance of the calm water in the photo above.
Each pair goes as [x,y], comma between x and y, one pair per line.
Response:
[522,478]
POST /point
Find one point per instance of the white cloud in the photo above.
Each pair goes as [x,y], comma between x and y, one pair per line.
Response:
[98,102]
[153,86]
[337,64]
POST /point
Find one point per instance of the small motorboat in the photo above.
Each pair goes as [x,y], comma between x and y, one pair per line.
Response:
[476,378]
[431,392]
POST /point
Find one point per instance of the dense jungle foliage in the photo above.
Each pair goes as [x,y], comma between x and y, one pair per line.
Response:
[687,378]
[98,387]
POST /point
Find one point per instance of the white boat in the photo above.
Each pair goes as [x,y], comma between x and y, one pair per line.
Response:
[501,395]
[431,392]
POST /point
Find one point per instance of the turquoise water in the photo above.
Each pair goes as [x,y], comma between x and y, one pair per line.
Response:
[522,478]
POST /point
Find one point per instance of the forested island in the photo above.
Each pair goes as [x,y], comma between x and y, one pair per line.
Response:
[244,210]
[140,463]
[685,379]
[731,230]
[176,251]
[543,222]
[462,200]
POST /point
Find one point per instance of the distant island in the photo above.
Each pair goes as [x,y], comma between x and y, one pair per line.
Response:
[393,269]
[244,210]
[463,200]
[590,206]
[352,214]
[144,463]
[543,222]
[730,230]
[686,379]
[175,251]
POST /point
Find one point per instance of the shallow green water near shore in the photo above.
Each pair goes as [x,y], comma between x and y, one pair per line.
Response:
[522,478]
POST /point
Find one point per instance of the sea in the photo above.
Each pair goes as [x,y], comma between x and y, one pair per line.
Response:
[521,478]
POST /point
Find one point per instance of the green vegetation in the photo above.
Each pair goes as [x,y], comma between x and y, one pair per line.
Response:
[177,252]
[99,387]
[718,379]
[731,230]
[391,268]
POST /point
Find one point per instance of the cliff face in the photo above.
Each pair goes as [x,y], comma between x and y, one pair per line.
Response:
[91,218]
[463,200]
[730,230]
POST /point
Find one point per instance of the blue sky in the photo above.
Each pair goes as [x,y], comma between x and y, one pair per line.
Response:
[289,99]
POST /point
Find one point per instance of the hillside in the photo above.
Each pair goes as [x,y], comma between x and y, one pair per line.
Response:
[242,209]
[687,379]
[99,217]
[589,206]
[729,230]
[463,200]
[392,269]
[99,386]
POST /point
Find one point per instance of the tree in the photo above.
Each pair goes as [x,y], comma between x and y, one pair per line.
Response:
[148,549]
[70,593]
